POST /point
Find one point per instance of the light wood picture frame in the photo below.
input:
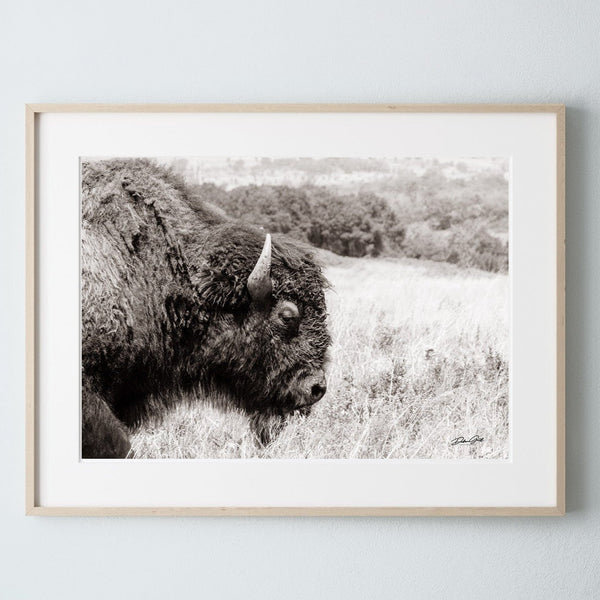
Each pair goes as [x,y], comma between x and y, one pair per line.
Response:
[41,502]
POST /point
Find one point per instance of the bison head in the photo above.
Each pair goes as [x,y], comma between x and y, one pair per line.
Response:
[266,340]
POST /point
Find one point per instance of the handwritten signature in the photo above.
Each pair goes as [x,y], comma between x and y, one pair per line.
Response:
[461,440]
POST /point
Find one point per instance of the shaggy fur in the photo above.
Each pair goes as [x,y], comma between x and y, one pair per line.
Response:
[165,308]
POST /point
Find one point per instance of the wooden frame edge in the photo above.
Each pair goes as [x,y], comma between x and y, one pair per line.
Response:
[309,108]
[32,509]
[561,308]
[30,311]
[295,511]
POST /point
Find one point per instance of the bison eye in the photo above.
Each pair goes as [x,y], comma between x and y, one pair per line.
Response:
[289,316]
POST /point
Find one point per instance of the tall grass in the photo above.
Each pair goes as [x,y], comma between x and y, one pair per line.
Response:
[419,358]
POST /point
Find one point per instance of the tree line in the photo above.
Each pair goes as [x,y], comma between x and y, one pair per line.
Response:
[420,221]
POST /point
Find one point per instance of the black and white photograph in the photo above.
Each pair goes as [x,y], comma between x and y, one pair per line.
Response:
[295,308]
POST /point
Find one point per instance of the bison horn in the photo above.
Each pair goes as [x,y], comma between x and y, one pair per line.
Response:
[259,282]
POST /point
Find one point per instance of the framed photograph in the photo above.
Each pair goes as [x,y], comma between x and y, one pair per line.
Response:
[295,309]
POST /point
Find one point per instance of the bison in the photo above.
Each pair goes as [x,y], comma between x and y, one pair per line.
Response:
[178,299]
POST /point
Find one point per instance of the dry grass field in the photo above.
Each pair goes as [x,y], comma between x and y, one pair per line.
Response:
[419,358]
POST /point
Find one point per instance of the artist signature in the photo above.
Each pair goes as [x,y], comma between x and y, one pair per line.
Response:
[461,440]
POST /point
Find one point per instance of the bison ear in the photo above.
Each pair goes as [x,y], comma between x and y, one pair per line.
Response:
[259,282]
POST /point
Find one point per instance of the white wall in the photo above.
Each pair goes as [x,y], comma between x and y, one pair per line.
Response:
[323,51]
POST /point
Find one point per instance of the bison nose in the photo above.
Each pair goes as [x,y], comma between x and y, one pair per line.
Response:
[317,391]
[312,388]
